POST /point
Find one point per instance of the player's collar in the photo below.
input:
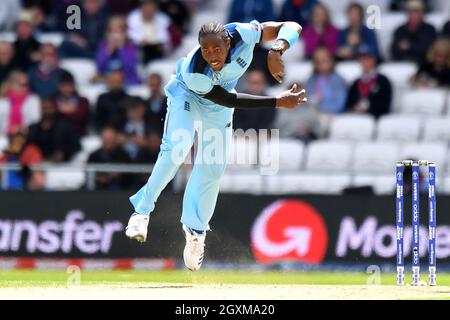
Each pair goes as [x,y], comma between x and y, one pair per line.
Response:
[235,39]
[228,59]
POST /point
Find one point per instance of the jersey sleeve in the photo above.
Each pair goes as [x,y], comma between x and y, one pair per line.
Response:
[250,32]
[198,83]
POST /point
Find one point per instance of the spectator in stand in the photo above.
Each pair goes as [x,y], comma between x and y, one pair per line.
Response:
[156,104]
[9,12]
[327,92]
[25,154]
[412,40]
[326,88]
[136,127]
[248,10]
[83,43]
[26,47]
[71,106]
[7,61]
[259,118]
[320,32]
[44,77]
[355,35]
[297,10]
[19,108]
[446,30]
[40,24]
[117,52]
[150,150]
[399,5]
[55,136]
[110,110]
[372,93]
[148,153]
[435,70]
[180,17]
[110,152]
[121,7]
[148,28]
[45,5]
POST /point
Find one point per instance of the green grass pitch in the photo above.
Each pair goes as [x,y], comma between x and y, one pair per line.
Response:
[31,278]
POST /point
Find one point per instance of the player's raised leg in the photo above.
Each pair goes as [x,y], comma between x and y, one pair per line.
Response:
[202,189]
[176,144]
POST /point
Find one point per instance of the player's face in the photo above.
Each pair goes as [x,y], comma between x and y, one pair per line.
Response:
[214,50]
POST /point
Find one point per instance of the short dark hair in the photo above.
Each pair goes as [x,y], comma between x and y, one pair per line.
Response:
[133,102]
[213,28]
[357,6]
[66,77]
[142,2]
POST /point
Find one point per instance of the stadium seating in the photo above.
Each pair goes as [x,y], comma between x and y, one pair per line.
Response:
[442,5]
[64,178]
[399,73]
[141,91]
[375,156]
[3,144]
[442,184]
[425,101]
[91,92]
[242,182]
[390,22]
[352,127]
[189,42]
[307,183]
[436,152]
[397,127]
[89,144]
[298,72]
[54,38]
[336,7]
[164,67]
[349,70]
[437,129]
[202,17]
[382,4]
[437,19]
[296,53]
[8,36]
[328,156]
[82,69]
[289,152]
[380,183]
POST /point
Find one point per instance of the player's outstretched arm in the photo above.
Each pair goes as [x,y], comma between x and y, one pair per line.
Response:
[288,99]
[285,34]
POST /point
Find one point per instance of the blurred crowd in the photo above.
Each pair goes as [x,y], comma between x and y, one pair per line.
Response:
[44,117]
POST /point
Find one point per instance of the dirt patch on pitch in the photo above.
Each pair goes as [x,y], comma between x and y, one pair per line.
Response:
[171,291]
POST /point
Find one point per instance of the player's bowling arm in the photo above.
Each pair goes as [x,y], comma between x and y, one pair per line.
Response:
[271,31]
[287,99]
[225,98]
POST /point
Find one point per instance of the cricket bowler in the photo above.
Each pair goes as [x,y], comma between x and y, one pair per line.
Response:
[202,92]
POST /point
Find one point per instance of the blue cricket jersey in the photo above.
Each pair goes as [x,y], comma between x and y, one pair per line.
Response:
[195,78]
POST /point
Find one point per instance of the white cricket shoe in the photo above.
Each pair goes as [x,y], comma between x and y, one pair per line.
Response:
[137,227]
[194,249]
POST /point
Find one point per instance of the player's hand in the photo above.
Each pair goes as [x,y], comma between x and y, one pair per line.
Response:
[275,65]
[291,98]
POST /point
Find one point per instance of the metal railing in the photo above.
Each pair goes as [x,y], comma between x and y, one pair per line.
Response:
[89,169]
